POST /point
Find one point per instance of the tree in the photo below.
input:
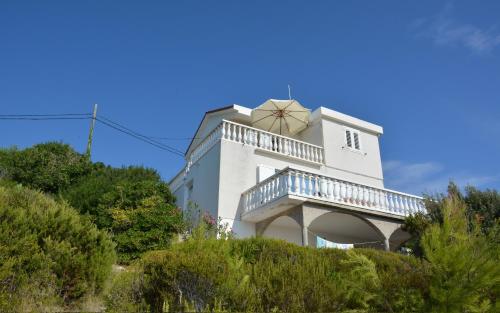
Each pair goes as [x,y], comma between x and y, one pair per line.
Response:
[133,203]
[49,254]
[481,207]
[50,167]
[466,275]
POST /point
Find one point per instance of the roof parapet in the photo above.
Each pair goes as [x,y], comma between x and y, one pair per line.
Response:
[330,114]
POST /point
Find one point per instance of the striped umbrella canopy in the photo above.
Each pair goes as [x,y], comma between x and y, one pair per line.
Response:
[284,117]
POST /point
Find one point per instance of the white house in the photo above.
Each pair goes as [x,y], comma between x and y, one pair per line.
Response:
[325,181]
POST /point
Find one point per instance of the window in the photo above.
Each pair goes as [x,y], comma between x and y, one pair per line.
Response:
[356,141]
[348,138]
[352,139]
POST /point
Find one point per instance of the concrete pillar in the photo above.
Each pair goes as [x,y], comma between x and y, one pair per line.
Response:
[387,246]
[305,236]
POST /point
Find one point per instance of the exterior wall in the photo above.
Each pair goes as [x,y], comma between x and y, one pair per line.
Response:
[204,176]
[238,168]
[363,166]
[312,134]
[289,231]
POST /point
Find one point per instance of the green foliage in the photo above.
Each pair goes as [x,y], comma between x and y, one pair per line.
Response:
[125,293]
[133,202]
[464,262]
[49,167]
[481,207]
[48,253]
[265,275]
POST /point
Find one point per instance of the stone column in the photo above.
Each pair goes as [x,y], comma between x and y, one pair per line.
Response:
[305,236]
[387,246]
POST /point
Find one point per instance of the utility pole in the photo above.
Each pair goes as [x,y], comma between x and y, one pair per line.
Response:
[91,132]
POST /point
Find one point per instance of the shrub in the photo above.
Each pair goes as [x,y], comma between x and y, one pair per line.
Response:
[482,208]
[50,167]
[133,202]
[264,275]
[125,293]
[48,253]
[465,271]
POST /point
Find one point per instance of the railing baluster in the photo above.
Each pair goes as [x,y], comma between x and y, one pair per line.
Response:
[310,185]
[329,189]
[355,194]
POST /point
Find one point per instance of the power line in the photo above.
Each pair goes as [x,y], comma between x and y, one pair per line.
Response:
[43,118]
[103,120]
[45,115]
[141,137]
[173,138]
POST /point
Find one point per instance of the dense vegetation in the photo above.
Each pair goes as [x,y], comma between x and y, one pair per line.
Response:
[265,275]
[64,220]
[459,273]
[49,254]
[482,209]
[132,203]
[50,167]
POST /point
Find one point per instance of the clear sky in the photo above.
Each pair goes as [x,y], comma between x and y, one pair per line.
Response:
[427,71]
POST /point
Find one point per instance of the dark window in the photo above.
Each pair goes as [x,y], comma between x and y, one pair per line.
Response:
[356,141]
[348,138]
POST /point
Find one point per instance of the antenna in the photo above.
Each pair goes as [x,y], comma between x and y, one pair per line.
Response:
[289,92]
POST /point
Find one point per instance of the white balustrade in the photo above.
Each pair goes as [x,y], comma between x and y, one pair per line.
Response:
[271,142]
[303,184]
[256,138]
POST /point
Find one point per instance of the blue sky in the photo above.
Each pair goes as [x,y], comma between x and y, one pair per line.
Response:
[427,71]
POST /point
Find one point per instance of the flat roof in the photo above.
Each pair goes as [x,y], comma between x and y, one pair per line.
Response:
[327,113]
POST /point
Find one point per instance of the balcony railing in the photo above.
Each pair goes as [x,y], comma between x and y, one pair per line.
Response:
[259,139]
[307,185]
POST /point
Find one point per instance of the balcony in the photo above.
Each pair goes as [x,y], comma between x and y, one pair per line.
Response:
[291,187]
[259,139]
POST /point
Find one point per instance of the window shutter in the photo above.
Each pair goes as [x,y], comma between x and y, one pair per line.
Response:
[356,140]
[348,138]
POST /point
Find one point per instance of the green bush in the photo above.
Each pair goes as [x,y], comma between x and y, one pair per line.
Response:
[48,253]
[264,275]
[465,270]
[50,167]
[133,203]
[125,292]
[482,208]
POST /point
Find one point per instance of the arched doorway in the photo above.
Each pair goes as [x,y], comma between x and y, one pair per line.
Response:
[347,229]
[285,228]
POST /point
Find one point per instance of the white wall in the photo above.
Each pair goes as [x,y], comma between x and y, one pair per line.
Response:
[204,175]
[284,228]
[363,166]
[238,171]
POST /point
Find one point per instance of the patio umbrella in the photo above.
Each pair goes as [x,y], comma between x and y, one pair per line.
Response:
[286,117]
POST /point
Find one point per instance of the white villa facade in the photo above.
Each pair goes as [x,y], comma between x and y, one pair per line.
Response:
[325,182]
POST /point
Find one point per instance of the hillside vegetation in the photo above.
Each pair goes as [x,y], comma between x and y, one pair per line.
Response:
[65,220]
[459,273]
[49,254]
[132,203]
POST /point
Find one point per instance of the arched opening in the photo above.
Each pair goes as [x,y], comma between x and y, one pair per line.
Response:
[398,237]
[285,228]
[345,228]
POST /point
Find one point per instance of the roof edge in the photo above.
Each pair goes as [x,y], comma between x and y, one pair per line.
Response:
[327,113]
[232,106]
